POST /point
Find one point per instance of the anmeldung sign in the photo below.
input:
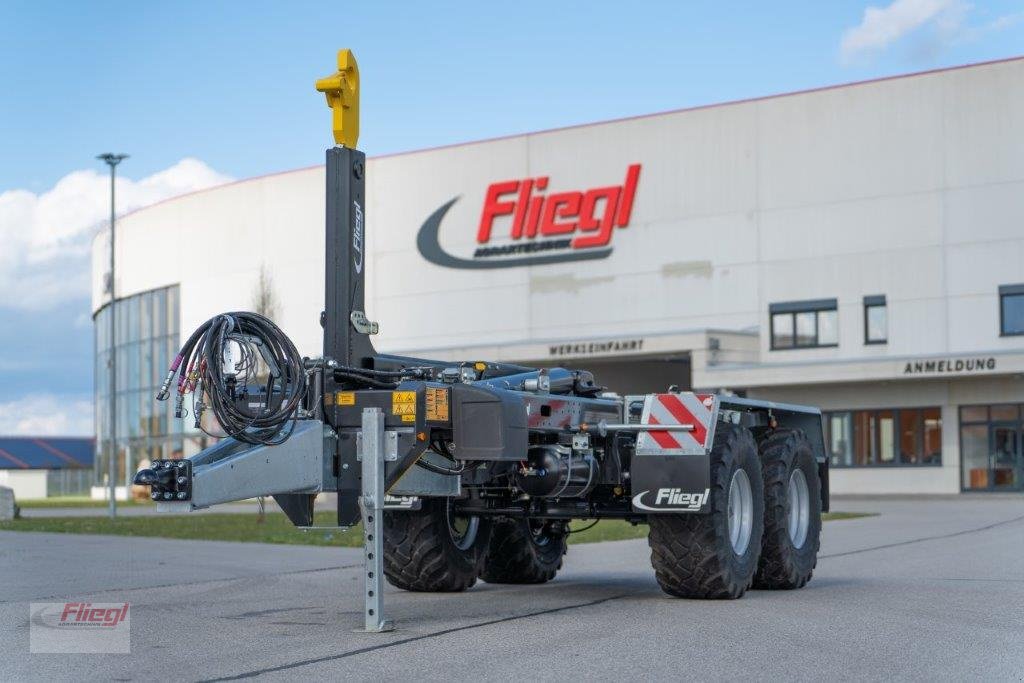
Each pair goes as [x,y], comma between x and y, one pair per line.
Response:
[948,365]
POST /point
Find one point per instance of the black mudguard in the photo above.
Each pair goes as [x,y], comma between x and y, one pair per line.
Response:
[670,483]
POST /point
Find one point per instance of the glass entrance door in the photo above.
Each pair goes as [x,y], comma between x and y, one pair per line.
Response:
[992,447]
[1006,468]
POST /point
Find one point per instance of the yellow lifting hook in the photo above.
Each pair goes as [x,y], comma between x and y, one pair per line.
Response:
[342,92]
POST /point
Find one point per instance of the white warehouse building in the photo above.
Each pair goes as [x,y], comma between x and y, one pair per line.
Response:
[859,248]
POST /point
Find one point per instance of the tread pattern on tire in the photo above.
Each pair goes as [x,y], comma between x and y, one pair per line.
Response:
[691,553]
[781,565]
[514,557]
[420,555]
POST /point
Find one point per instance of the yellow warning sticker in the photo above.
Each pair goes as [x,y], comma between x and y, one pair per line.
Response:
[408,418]
[346,398]
[404,403]
[437,404]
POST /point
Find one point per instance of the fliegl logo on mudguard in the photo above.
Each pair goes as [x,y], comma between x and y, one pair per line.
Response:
[671,500]
[543,226]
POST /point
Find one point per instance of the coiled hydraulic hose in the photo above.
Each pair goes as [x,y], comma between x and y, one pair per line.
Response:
[207,361]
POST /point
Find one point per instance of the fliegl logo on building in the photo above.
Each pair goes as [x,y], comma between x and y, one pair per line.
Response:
[531,221]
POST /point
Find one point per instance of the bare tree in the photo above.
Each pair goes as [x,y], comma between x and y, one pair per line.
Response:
[264,302]
[264,299]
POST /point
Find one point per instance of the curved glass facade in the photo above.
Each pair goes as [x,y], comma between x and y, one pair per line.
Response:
[147,337]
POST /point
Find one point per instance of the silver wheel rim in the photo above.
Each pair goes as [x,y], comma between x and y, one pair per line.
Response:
[462,529]
[799,508]
[740,512]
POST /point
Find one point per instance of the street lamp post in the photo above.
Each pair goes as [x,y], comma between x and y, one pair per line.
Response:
[112,160]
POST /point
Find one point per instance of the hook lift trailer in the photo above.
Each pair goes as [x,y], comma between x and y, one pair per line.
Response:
[471,470]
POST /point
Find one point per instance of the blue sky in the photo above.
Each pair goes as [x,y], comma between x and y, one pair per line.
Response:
[228,87]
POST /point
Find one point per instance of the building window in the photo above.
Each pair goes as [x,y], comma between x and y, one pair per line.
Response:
[839,431]
[1011,310]
[804,324]
[884,437]
[876,320]
[991,447]
[146,341]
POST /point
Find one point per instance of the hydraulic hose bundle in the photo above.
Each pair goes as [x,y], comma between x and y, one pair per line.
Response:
[222,359]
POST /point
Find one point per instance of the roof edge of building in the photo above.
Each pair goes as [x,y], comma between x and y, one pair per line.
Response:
[636,117]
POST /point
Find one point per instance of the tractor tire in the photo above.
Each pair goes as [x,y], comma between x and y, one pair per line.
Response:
[792,514]
[714,555]
[431,550]
[524,551]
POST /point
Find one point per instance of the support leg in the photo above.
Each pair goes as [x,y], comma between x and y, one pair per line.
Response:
[372,505]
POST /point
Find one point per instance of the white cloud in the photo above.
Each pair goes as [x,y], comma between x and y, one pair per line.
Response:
[44,238]
[932,25]
[47,415]
[883,26]
[1005,22]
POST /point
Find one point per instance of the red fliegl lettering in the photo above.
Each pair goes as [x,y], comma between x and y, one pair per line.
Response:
[590,215]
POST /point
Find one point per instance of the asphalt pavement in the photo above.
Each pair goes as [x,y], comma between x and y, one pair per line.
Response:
[929,589]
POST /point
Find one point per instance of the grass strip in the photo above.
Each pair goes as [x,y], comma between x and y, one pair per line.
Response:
[275,528]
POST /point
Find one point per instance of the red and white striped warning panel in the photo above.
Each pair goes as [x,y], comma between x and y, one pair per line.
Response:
[697,410]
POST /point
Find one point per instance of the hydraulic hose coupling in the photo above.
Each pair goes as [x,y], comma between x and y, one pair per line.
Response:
[165,388]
